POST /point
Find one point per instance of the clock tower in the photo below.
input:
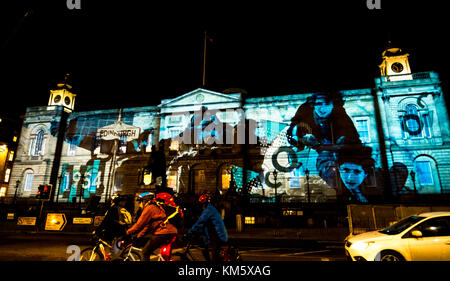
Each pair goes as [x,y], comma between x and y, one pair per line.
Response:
[63,96]
[395,63]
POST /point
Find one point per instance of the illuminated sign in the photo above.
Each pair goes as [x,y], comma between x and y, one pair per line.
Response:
[287,212]
[55,221]
[26,221]
[10,216]
[82,221]
[119,131]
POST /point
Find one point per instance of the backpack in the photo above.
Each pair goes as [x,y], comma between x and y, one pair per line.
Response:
[125,217]
[174,215]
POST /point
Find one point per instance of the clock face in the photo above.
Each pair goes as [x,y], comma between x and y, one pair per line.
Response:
[67,101]
[57,99]
[397,67]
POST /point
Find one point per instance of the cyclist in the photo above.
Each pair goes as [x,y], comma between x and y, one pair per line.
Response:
[211,225]
[116,221]
[153,227]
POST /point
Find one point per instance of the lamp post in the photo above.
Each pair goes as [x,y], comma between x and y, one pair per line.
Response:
[307,185]
[275,175]
[413,178]
[81,184]
[15,191]
[58,190]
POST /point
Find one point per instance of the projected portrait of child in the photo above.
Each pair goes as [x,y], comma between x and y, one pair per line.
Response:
[354,164]
[321,123]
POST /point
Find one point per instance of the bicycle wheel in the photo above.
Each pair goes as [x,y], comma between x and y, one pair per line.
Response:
[89,254]
[133,255]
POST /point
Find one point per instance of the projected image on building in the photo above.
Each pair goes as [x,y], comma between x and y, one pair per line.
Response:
[360,145]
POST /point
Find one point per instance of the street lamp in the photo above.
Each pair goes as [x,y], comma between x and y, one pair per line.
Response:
[307,185]
[59,186]
[15,191]
[81,189]
[275,175]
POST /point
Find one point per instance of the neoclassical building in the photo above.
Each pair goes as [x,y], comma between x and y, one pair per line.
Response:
[403,118]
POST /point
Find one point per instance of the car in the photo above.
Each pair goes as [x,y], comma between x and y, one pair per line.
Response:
[422,237]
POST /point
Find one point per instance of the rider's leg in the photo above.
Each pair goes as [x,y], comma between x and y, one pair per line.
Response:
[205,252]
[153,243]
[216,246]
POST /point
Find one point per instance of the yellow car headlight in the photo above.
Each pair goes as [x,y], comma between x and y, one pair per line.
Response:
[361,246]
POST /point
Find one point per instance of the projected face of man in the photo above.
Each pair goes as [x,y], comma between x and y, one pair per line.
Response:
[323,107]
[352,175]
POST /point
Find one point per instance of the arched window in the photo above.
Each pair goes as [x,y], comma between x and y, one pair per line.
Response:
[28,180]
[415,123]
[427,179]
[412,121]
[198,180]
[224,177]
[37,143]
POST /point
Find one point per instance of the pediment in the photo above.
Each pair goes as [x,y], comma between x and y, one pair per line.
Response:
[201,97]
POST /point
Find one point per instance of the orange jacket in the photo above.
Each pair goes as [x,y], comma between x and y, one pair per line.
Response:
[149,221]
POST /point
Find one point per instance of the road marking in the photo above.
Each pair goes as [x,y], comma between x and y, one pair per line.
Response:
[261,250]
[304,253]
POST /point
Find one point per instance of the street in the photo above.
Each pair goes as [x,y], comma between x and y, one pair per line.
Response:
[55,247]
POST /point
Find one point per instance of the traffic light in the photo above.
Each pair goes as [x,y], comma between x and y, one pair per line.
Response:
[44,191]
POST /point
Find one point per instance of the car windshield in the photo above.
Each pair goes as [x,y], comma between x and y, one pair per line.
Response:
[398,227]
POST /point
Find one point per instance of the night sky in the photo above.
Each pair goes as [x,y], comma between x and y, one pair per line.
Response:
[124,54]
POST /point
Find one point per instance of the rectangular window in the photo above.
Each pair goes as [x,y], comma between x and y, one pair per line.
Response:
[71,149]
[172,180]
[7,174]
[174,145]
[249,220]
[66,181]
[3,191]
[226,179]
[294,179]
[123,145]
[174,132]
[175,119]
[199,180]
[362,126]
[28,182]
[11,156]
[148,148]
[424,172]
[31,147]
[426,125]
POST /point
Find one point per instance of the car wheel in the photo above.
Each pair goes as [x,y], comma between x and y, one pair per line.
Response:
[391,256]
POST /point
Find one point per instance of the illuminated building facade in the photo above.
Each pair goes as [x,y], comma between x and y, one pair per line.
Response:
[9,137]
[403,120]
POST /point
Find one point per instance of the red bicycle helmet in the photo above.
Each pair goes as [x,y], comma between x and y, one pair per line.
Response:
[166,198]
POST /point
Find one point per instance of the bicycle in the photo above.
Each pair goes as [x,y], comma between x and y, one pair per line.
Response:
[227,253]
[132,253]
[129,252]
[98,252]
[103,251]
